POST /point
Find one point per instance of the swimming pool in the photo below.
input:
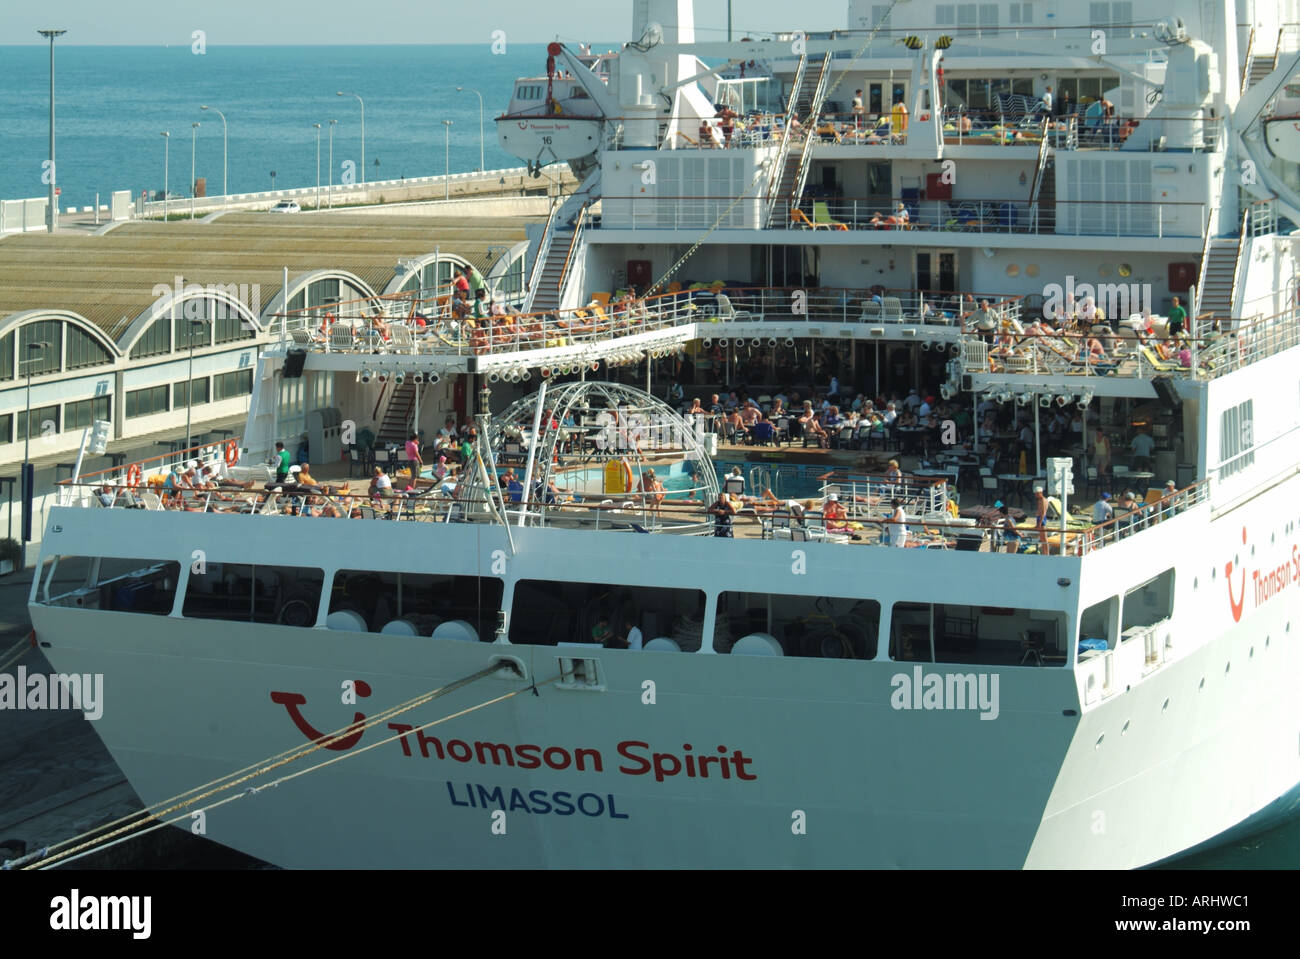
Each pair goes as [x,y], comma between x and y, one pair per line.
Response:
[787,480]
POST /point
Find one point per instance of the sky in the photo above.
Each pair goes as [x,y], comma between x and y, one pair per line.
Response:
[311,22]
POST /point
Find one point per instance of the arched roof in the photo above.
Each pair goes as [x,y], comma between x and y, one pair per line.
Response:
[13,321]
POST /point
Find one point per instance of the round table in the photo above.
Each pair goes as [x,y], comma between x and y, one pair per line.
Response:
[1017,483]
[1142,476]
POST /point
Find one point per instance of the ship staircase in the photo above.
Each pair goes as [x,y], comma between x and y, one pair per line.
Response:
[395,427]
[806,94]
[553,268]
[1217,281]
[1258,65]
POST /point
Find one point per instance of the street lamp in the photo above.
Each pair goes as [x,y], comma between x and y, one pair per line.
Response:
[167,144]
[446,178]
[194,133]
[340,93]
[189,386]
[317,126]
[481,165]
[52,220]
[29,474]
[225,193]
[330,166]
[272,181]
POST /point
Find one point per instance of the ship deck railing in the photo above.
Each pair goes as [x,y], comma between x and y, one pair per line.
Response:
[950,321]
[868,506]
[1008,216]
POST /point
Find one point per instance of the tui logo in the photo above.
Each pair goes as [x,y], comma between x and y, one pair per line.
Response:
[1236,604]
[291,702]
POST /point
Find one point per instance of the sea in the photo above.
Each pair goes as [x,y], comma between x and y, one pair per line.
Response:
[113,102]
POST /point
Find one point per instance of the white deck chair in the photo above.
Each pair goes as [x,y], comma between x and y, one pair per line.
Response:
[340,338]
[728,312]
[892,310]
[270,506]
[402,341]
[871,310]
[151,500]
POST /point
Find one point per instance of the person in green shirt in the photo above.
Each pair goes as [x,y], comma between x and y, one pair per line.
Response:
[281,463]
[1177,319]
[475,280]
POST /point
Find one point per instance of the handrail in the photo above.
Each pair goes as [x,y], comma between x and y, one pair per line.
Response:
[814,111]
[383,388]
[578,225]
[783,151]
[1249,60]
[543,249]
[1040,171]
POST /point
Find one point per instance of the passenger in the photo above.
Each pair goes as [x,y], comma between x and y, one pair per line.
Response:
[652,490]
[413,454]
[380,484]
[834,515]
[897,530]
[281,463]
[1040,519]
[722,511]
[894,475]
[1102,511]
[1006,526]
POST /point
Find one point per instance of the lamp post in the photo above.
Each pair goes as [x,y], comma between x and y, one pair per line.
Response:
[225,192]
[167,144]
[363,129]
[446,177]
[29,474]
[189,385]
[330,165]
[194,135]
[272,181]
[317,126]
[481,165]
[52,219]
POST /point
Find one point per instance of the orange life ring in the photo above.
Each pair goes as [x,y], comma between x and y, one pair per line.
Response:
[627,476]
[232,452]
[133,475]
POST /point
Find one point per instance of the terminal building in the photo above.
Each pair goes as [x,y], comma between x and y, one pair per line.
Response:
[150,323]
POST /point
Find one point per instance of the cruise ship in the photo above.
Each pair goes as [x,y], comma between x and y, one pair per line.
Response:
[1028,213]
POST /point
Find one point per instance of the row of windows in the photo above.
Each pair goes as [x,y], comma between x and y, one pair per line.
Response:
[38,348]
[46,420]
[221,324]
[154,399]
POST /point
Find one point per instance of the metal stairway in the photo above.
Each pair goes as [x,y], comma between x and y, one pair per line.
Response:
[1218,279]
[546,296]
[805,102]
[395,427]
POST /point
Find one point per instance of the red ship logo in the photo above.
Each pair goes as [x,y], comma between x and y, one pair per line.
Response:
[1237,604]
[291,702]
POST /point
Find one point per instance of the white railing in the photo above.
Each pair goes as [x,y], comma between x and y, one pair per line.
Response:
[543,250]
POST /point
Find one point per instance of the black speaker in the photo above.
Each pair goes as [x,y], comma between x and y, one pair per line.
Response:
[1165,391]
[294,363]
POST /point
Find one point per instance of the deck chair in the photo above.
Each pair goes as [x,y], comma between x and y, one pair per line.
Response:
[728,312]
[402,341]
[601,298]
[800,218]
[151,500]
[1163,366]
[892,310]
[341,338]
[300,337]
[871,310]
[822,217]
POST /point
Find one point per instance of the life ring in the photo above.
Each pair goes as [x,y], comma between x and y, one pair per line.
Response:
[133,475]
[232,452]
[627,476]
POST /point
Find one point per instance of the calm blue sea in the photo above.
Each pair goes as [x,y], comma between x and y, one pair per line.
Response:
[112,102]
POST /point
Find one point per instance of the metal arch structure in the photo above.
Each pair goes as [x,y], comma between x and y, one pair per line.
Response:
[615,423]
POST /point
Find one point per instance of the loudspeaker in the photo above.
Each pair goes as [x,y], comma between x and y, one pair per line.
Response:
[1165,391]
[293,364]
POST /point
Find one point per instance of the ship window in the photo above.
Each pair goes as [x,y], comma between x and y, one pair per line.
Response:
[238,592]
[546,612]
[1149,603]
[1236,438]
[1097,621]
[814,626]
[984,635]
[418,603]
[112,584]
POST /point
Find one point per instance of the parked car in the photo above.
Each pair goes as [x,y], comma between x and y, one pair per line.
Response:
[286,206]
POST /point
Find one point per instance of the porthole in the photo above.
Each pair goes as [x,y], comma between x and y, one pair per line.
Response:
[1195,582]
[1202,685]
[1124,731]
[1099,740]
[1165,707]
[1227,668]
[1252,653]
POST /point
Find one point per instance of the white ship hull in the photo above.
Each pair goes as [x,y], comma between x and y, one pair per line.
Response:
[1173,757]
